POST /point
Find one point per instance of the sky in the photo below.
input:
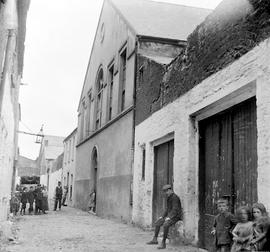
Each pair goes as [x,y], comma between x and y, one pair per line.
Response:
[59,39]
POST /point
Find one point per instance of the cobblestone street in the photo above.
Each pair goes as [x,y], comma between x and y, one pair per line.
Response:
[75,230]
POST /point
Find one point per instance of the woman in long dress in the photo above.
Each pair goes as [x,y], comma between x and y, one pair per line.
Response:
[45,205]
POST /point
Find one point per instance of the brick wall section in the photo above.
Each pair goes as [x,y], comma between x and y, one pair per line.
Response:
[233,29]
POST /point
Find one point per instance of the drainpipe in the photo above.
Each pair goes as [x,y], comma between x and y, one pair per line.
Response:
[133,121]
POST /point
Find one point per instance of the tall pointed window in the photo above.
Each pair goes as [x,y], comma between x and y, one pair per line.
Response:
[123,62]
[99,90]
[110,98]
[88,119]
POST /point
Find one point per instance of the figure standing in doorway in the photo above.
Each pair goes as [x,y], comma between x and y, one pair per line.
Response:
[58,196]
[172,214]
[92,202]
[65,196]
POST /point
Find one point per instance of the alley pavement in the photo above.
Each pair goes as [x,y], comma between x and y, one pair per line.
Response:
[75,230]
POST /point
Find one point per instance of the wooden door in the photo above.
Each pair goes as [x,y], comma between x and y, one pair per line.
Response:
[228,163]
[163,174]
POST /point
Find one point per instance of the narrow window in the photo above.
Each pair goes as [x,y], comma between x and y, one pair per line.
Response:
[81,125]
[88,126]
[143,163]
[111,70]
[99,99]
[123,80]
[141,72]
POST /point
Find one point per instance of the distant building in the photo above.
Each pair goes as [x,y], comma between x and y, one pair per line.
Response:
[51,147]
[55,176]
[12,36]
[205,129]
[27,171]
[106,119]
[68,176]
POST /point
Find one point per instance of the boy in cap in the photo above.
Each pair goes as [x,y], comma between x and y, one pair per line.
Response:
[223,225]
[172,214]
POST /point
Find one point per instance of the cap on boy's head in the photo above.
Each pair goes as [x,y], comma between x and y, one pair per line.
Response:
[223,199]
[166,187]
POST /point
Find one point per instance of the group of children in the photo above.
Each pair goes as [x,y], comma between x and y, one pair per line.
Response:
[246,231]
[34,196]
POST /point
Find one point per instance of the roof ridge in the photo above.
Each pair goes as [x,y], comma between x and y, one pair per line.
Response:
[167,3]
[183,5]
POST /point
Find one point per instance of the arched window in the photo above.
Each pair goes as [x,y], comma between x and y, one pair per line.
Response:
[99,94]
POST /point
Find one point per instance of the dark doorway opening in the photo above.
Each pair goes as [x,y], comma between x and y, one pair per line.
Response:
[94,176]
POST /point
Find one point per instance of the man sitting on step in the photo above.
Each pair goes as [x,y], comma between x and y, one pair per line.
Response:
[172,214]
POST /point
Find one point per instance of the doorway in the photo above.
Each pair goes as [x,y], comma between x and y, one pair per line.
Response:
[227,163]
[94,176]
[163,174]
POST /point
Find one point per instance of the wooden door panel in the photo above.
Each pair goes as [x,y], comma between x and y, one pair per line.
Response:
[163,174]
[228,162]
[245,153]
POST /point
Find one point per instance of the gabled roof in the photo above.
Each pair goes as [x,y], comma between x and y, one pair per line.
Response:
[162,20]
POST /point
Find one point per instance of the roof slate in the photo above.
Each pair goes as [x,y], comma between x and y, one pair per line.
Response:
[162,20]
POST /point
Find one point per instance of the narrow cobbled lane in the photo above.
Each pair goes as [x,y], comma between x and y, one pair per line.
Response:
[75,230]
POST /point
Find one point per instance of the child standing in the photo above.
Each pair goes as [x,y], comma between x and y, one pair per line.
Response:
[14,204]
[224,223]
[243,231]
[260,224]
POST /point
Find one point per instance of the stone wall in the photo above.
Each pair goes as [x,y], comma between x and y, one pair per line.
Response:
[233,29]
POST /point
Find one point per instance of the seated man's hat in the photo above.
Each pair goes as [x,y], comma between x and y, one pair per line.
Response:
[166,187]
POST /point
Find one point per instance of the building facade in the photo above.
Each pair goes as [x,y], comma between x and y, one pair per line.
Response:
[68,176]
[51,147]
[208,135]
[106,119]
[56,175]
[12,36]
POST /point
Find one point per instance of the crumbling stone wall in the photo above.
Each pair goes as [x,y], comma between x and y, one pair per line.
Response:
[148,88]
[232,30]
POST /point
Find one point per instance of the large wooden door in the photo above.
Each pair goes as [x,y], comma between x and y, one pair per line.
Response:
[163,174]
[228,163]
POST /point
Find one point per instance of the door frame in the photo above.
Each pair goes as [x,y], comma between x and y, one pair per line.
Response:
[164,139]
[204,111]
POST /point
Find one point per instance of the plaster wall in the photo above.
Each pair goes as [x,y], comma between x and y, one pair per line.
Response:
[246,77]
[69,166]
[106,50]
[54,178]
[8,127]
[114,149]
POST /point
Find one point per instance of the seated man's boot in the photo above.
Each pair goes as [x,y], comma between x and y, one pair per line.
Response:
[162,245]
[153,241]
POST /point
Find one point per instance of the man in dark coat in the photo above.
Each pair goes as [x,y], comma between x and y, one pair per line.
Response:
[23,200]
[58,196]
[172,214]
[38,199]
[30,198]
